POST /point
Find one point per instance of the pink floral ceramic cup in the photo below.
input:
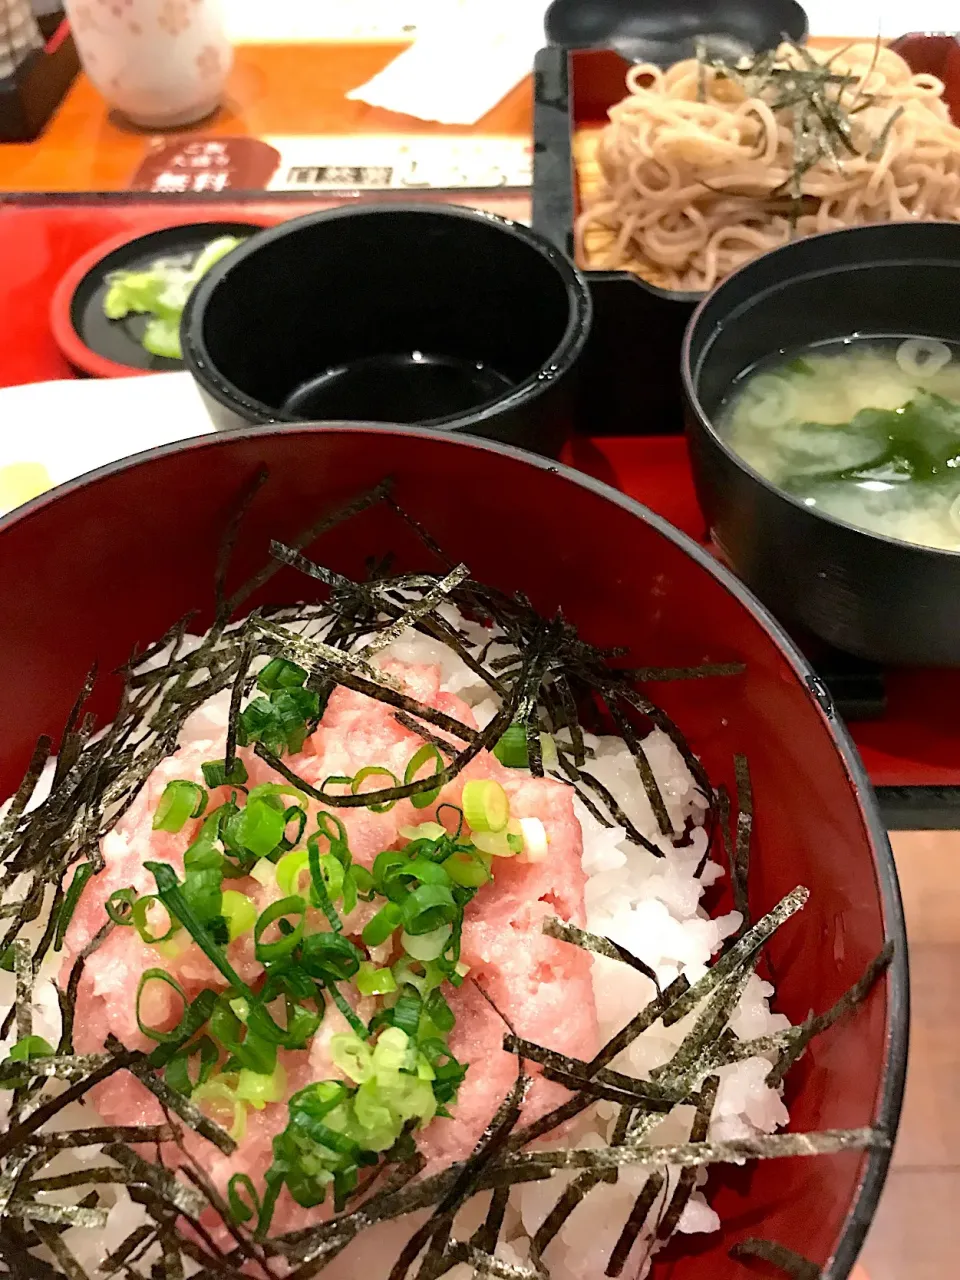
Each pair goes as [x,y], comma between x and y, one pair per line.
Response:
[163,63]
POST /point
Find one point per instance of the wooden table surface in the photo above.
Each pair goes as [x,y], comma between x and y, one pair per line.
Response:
[273,90]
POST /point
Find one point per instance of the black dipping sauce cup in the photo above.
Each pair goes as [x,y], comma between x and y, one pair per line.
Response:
[408,314]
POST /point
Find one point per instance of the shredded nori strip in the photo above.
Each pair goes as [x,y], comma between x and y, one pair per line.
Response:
[23,1006]
[188,1111]
[818,1023]
[68,1263]
[577,1191]
[778,1255]
[487,1264]
[130,1133]
[741,858]
[692,1154]
[566,932]
[629,1090]
[140,1236]
[688,1177]
[651,675]
[634,1224]
[489,1145]
[70,1215]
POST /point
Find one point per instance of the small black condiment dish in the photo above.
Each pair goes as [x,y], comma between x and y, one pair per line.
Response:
[665,31]
[449,317]
[870,595]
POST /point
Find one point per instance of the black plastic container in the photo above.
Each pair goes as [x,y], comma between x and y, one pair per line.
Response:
[451,317]
[664,31]
[870,595]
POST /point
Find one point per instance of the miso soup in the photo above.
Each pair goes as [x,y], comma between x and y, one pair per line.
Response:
[866,429]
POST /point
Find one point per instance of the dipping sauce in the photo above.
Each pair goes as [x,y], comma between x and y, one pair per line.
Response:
[866,429]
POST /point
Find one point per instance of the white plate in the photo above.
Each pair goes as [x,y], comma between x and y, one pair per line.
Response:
[53,431]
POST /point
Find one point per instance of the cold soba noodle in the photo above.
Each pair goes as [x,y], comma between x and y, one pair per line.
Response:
[865,429]
[704,166]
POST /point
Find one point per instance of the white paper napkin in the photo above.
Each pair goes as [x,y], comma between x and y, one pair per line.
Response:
[461,64]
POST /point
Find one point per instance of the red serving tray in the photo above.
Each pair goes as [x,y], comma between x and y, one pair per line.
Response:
[916,743]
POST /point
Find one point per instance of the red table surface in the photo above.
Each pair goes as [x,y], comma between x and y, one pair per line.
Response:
[917,743]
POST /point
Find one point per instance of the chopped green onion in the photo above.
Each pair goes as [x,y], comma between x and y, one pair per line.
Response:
[258,827]
[119,906]
[511,750]
[439,1012]
[331,868]
[485,805]
[379,929]
[280,674]
[277,912]
[424,831]
[257,1089]
[215,773]
[138,916]
[290,871]
[496,843]
[242,1210]
[196,1015]
[432,976]
[251,1050]
[425,754]
[30,1047]
[372,981]
[427,908]
[352,1055]
[467,869]
[293,814]
[424,871]
[453,809]
[374,771]
[276,789]
[239,912]
[406,1014]
[427,946]
[363,881]
[321,894]
[301,1023]
[171,894]
[177,1073]
[228,1110]
[346,1009]
[386,866]
[535,841]
[156,1033]
[330,956]
[180,801]
[72,897]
